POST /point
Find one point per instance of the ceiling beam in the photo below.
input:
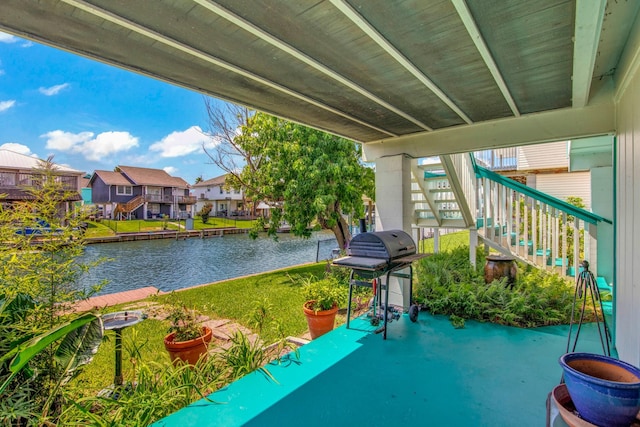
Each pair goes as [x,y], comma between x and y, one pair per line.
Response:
[175,44]
[588,24]
[550,126]
[474,32]
[301,56]
[369,30]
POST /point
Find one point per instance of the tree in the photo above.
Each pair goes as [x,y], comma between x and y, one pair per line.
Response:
[40,340]
[307,176]
[205,212]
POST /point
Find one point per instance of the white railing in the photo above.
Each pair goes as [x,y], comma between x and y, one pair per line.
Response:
[498,159]
[535,227]
[462,179]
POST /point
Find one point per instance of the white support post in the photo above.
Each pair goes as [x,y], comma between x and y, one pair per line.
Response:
[394,210]
[591,246]
[436,240]
[473,243]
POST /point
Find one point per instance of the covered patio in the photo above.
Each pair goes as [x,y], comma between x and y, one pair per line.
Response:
[424,373]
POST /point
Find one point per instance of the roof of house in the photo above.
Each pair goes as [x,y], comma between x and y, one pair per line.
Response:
[219,180]
[147,176]
[12,160]
[110,178]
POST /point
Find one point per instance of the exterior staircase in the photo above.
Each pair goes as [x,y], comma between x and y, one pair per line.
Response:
[128,207]
[452,191]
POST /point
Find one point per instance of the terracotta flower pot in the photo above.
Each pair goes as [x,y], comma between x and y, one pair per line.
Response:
[188,351]
[605,391]
[319,322]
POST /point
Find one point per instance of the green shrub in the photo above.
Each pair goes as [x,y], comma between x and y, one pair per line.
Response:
[325,293]
[446,283]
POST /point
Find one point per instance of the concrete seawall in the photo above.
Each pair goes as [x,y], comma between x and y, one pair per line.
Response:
[153,235]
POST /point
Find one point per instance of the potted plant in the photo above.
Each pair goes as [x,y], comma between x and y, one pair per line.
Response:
[322,299]
[604,390]
[187,339]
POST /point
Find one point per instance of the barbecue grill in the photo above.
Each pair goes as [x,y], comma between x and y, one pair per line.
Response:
[376,255]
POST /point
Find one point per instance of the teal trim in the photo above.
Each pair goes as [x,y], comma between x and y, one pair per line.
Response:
[473,162]
[428,175]
[540,196]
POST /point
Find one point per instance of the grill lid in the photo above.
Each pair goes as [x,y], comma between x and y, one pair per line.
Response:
[387,245]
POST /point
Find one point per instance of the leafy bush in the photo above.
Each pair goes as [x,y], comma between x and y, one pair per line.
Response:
[448,284]
[324,293]
[205,212]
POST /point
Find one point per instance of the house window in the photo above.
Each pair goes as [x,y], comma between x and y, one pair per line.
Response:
[236,191]
[7,179]
[221,190]
[124,190]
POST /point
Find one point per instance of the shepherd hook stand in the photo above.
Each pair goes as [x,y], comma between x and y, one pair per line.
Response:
[586,286]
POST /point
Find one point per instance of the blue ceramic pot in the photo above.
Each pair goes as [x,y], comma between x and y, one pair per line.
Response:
[605,391]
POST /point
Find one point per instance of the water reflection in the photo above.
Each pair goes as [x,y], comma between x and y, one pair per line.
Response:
[170,264]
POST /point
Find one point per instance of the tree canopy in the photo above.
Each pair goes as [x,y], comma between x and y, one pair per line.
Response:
[307,177]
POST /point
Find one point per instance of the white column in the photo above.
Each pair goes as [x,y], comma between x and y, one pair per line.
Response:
[473,243]
[394,211]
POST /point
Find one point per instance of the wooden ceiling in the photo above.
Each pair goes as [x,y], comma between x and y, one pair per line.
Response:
[371,71]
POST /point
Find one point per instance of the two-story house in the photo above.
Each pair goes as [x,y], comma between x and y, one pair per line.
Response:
[225,201]
[19,173]
[133,192]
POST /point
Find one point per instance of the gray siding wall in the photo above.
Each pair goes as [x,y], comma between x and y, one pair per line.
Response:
[543,156]
[563,185]
[99,191]
[627,176]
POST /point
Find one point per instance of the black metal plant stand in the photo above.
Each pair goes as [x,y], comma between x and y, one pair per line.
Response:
[587,287]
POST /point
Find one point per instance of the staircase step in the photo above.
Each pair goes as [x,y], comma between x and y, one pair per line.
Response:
[432,175]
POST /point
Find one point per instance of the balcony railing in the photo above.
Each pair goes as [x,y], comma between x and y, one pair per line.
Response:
[186,200]
[159,198]
[499,159]
[29,180]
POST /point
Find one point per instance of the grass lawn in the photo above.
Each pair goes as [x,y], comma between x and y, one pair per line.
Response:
[97,229]
[217,222]
[447,242]
[109,227]
[232,299]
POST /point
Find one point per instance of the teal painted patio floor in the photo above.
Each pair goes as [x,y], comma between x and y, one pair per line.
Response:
[425,373]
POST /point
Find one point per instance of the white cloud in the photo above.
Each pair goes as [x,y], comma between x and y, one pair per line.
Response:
[91,148]
[16,148]
[171,170]
[8,38]
[178,144]
[53,90]
[5,105]
[66,141]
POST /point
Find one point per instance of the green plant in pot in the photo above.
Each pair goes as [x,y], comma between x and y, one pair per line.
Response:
[187,340]
[323,297]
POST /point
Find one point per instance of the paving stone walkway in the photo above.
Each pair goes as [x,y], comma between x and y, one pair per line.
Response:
[223,329]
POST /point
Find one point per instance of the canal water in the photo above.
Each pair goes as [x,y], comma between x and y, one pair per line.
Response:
[170,264]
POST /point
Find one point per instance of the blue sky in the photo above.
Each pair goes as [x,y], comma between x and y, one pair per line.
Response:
[90,116]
